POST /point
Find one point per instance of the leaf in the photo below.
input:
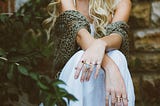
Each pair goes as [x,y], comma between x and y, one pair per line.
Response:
[47,100]
[44,78]
[33,76]
[2,52]
[48,50]
[3,18]
[71,97]
[62,102]
[42,86]
[57,82]
[23,70]
[10,73]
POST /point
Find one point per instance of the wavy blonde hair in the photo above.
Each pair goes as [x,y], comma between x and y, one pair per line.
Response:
[100,11]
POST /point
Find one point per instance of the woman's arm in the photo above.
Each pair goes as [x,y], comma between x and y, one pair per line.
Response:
[121,14]
[67,5]
[111,42]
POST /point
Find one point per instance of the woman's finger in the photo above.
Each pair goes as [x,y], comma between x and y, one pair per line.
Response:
[98,66]
[118,101]
[124,98]
[84,71]
[78,68]
[89,72]
[125,101]
[113,97]
[118,97]
[108,90]
[108,98]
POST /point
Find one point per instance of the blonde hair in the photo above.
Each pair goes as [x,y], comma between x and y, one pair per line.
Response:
[100,11]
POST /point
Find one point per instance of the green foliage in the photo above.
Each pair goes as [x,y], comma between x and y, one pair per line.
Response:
[26,58]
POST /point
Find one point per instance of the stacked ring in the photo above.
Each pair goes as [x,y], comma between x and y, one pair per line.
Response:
[119,99]
[87,66]
[113,100]
[125,99]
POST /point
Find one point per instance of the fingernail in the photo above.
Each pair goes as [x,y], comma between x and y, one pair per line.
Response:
[75,77]
[95,77]
[81,80]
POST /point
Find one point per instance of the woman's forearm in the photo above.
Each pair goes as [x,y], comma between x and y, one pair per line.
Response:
[107,61]
[122,13]
[85,40]
[113,41]
[67,5]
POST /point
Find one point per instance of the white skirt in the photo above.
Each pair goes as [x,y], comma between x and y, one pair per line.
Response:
[92,93]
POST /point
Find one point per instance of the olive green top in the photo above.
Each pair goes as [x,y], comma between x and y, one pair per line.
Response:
[65,31]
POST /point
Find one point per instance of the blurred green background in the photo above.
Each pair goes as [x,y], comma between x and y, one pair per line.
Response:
[24,41]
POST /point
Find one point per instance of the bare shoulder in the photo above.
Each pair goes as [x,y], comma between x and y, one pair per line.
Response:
[122,11]
[124,3]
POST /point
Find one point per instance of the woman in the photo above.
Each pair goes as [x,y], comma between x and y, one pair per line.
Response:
[88,34]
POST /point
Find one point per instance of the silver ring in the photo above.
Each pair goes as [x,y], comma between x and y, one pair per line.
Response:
[125,99]
[119,99]
[87,66]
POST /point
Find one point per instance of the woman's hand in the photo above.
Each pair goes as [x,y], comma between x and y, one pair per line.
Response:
[91,58]
[115,86]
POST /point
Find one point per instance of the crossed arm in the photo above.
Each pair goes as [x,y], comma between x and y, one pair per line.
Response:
[109,42]
[90,45]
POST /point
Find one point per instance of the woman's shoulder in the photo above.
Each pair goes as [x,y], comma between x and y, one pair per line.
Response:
[122,3]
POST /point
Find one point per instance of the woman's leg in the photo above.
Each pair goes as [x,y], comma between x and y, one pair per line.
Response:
[92,93]
[88,93]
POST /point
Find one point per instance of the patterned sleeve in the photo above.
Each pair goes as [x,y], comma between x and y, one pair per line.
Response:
[64,35]
[121,28]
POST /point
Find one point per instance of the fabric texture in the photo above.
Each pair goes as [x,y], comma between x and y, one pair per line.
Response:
[64,35]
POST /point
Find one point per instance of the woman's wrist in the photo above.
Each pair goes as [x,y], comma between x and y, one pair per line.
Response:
[107,62]
[84,39]
[104,43]
[104,63]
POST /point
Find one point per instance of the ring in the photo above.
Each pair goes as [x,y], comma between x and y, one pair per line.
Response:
[113,100]
[119,99]
[125,99]
[87,66]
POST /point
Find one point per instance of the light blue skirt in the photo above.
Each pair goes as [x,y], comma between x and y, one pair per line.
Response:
[92,93]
